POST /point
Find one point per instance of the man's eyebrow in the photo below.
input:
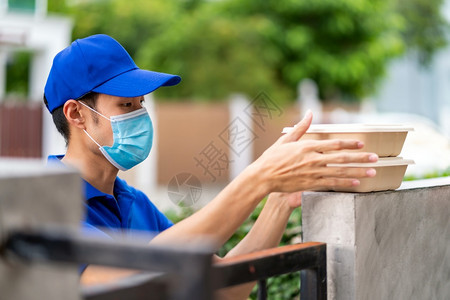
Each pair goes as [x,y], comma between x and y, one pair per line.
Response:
[128,99]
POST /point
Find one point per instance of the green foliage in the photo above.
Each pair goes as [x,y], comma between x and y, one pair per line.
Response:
[214,55]
[132,23]
[425,29]
[228,46]
[281,287]
[17,73]
[342,45]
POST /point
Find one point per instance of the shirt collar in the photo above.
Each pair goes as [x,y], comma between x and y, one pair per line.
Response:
[91,191]
[119,188]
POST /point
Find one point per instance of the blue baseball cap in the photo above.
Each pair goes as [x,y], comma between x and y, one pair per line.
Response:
[99,64]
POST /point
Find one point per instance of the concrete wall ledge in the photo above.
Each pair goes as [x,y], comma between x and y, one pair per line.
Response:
[384,245]
[34,196]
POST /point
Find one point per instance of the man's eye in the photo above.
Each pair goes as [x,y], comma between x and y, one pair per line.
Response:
[142,102]
[128,104]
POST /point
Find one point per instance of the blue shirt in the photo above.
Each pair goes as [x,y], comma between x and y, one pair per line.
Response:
[126,212]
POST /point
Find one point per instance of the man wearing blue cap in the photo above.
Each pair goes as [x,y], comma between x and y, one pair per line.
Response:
[94,92]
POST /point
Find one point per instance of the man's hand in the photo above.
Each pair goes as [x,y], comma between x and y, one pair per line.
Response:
[292,200]
[291,164]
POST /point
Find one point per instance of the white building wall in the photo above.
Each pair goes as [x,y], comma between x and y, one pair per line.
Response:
[45,37]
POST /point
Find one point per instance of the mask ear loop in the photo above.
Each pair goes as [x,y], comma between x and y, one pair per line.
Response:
[91,138]
[95,111]
[85,129]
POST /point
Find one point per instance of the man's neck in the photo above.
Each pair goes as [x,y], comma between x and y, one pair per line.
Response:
[94,168]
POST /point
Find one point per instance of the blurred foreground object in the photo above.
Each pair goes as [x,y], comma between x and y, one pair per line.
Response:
[32,196]
[42,247]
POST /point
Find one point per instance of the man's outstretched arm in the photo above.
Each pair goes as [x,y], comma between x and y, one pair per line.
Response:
[289,165]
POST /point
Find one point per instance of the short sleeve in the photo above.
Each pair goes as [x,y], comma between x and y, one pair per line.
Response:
[145,216]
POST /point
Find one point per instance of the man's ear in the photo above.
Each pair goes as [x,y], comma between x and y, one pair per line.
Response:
[74,116]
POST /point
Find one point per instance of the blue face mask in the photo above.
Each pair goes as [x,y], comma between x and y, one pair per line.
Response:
[133,138]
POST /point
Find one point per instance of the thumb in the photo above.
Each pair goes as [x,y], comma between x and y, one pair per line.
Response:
[299,129]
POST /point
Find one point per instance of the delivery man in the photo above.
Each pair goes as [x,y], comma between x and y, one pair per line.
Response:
[95,92]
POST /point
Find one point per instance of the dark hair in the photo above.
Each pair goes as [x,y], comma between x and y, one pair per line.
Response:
[60,119]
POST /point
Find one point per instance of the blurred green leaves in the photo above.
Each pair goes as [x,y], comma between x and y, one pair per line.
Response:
[18,72]
[214,55]
[342,45]
[425,29]
[228,46]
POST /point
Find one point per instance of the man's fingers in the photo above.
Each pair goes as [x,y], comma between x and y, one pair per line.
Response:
[349,172]
[333,177]
[299,129]
[329,183]
[349,157]
[336,145]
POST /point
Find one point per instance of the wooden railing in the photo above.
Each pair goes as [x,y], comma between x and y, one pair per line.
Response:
[183,273]
[310,258]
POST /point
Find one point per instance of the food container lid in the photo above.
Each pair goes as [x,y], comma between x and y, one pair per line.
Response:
[337,128]
[382,162]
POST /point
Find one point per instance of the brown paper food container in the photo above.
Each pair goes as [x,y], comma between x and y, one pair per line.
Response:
[390,172]
[385,140]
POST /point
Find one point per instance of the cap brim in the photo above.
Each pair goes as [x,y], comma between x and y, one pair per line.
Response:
[136,82]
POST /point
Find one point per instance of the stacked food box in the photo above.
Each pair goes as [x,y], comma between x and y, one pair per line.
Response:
[386,140]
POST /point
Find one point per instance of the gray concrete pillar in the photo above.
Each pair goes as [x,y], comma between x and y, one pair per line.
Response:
[385,245]
[32,196]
